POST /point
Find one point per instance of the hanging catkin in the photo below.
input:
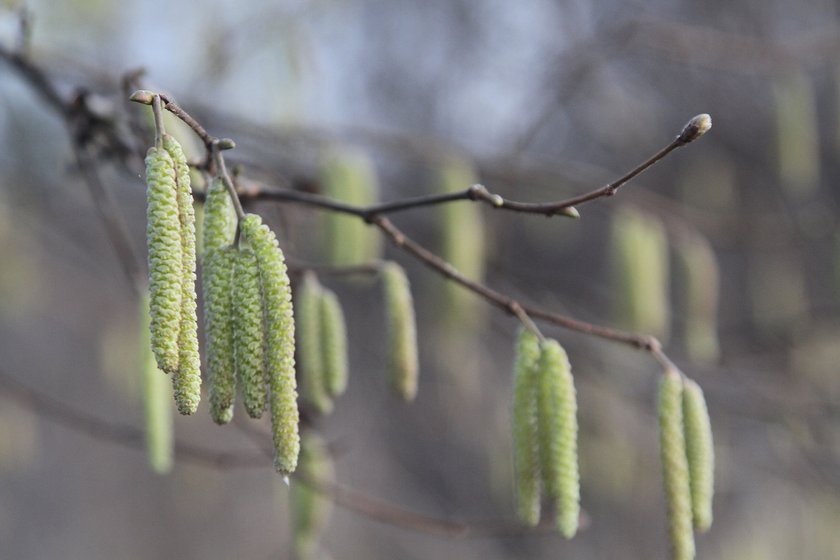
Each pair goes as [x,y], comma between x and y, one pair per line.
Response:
[402,331]
[700,453]
[639,247]
[280,341]
[249,336]
[333,344]
[526,451]
[701,280]
[675,465]
[157,402]
[187,379]
[308,331]
[163,235]
[218,217]
[218,330]
[558,429]
[310,508]
[349,176]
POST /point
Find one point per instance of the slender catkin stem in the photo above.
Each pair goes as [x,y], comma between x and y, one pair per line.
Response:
[157,112]
[219,160]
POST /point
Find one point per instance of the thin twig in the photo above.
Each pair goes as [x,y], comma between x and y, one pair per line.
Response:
[109,215]
[221,170]
[77,420]
[503,301]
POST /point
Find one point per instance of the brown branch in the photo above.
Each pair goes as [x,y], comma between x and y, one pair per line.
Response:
[109,215]
[504,302]
[124,435]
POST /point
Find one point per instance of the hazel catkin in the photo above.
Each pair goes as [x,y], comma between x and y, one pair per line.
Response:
[308,331]
[187,378]
[401,331]
[163,235]
[700,453]
[675,465]
[280,341]
[218,330]
[526,448]
[333,344]
[249,336]
[157,403]
[310,508]
[219,221]
[558,429]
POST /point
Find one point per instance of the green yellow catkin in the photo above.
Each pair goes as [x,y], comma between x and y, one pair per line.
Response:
[640,271]
[309,344]
[675,465]
[279,341]
[163,236]
[249,335]
[700,453]
[333,344]
[311,509]
[797,134]
[219,223]
[157,404]
[349,176]
[558,431]
[526,446]
[217,269]
[701,280]
[401,331]
[186,380]
[462,240]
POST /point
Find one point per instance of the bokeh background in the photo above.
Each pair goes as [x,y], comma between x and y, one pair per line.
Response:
[537,100]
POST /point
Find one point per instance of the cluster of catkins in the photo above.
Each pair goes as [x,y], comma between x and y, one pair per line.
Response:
[687,452]
[545,432]
[249,322]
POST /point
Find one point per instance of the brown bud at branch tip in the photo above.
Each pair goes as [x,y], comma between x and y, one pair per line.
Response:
[696,127]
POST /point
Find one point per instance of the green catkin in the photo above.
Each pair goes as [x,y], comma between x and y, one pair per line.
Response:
[187,379]
[701,280]
[163,235]
[219,224]
[675,465]
[558,430]
[156,403]
[640,260]
[333,344]
[700,453]
[310,508]
[218,331]
[526,448]
[797,133]
[280,341]
[349,176]
[401,331]
[249,336]
[463,239]
[308,330]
